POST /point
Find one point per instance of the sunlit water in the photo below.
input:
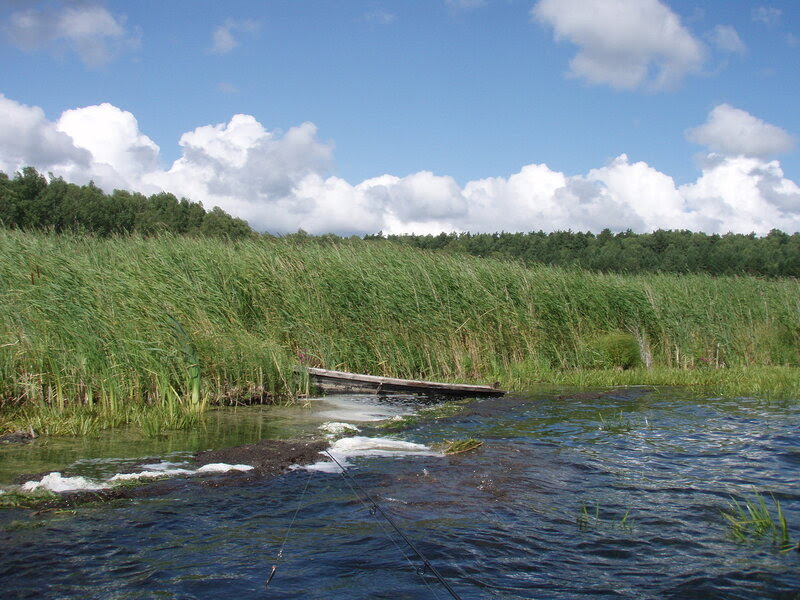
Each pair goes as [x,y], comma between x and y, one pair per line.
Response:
[538,512]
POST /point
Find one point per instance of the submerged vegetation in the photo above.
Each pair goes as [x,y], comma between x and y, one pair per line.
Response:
[592,520]
[460,446]
[102,332]
[440,410]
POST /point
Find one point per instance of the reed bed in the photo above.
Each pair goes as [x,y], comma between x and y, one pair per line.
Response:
[151,331]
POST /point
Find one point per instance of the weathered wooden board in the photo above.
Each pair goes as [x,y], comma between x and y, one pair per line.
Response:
[342,382]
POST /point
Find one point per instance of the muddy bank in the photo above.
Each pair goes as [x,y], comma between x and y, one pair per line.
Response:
[268,457]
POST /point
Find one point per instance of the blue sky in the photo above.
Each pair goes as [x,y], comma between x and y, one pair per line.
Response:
[417,115]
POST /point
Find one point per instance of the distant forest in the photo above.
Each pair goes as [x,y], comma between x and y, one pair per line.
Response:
[775,255]
[29,201]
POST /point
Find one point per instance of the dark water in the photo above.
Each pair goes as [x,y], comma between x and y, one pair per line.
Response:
[500,522]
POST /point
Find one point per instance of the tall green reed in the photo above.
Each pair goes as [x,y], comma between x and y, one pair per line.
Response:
[112,323]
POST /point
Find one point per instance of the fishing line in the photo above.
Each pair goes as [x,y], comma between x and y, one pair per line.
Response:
[288,529]
[372,511]
[427,566]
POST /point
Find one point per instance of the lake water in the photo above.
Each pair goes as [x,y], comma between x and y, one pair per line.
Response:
[619,496]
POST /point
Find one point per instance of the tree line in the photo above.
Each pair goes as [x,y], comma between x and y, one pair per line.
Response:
[30,201]
[775,255]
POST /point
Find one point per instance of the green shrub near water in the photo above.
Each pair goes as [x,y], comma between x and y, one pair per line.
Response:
[103,327]
[615,351]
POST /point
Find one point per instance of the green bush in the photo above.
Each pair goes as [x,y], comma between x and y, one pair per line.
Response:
[615,350]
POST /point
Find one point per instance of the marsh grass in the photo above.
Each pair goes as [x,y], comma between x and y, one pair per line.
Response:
[618,423]
[767,381]
[450,447]
[591,519]
[110,329]
[34,499]
[752,520]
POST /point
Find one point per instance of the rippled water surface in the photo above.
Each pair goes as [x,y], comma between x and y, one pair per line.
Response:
[613,497]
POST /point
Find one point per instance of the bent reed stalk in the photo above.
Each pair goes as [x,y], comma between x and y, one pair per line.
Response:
[107,331]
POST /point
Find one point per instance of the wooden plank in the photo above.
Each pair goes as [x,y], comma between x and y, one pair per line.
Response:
[344,382]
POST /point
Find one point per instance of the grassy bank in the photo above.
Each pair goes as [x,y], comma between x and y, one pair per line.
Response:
[150,331]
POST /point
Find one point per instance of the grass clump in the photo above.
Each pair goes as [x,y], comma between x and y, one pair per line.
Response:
[752,520]
[450,447]
[592,520]
[618,423]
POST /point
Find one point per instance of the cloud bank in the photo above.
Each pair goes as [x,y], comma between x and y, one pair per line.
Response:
[281,181]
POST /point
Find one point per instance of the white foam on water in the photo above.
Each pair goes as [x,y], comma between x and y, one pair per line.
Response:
[165,469]
[378,446]
[325,466]
[359,409]
[163,465]
[150,474]
[350,447]
[56,483]
[223,468]
[333,428]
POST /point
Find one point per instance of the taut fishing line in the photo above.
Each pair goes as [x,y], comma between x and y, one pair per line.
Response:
[372,511]
[374,507]
[288,529]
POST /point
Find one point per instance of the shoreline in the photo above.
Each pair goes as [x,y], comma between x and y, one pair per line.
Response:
[766,381]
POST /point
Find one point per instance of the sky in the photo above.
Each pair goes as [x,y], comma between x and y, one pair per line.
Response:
[417,116]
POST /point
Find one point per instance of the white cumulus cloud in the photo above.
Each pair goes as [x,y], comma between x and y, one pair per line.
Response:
[27,137]
[280,181]
[113,139]
[87,29]
[744,194]
[623,43]
[733,131]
